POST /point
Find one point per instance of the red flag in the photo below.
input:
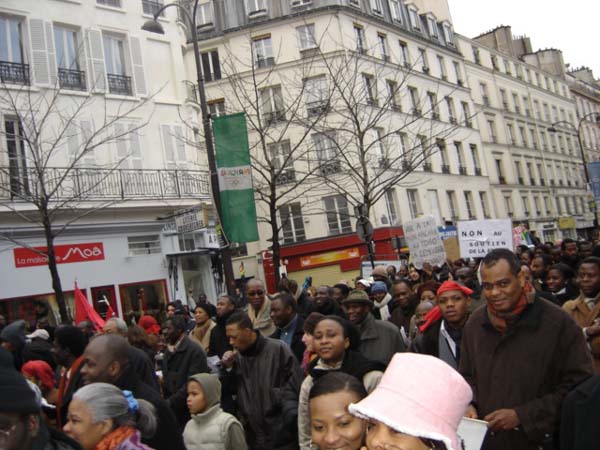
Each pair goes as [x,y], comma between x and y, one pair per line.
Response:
[85,311]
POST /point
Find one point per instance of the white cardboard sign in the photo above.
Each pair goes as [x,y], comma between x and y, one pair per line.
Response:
[424,242]
[478,237]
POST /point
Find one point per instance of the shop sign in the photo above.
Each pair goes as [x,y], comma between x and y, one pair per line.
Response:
[478,237]
[329,257]
[191,220]
[68,253]
[548,226]
[566,223]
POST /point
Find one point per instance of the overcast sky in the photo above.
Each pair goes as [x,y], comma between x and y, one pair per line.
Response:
[570,26]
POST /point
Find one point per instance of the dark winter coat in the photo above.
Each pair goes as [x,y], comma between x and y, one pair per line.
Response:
[530,368]
[51,439]
[188,359]
[167,436]
[259,375]
[579,428]
[297,346]
[428,343]
[379,340]
[401,316]
[143,366]
[219,343]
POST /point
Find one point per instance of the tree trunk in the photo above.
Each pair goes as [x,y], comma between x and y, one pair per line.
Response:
[53,267]
[276,246]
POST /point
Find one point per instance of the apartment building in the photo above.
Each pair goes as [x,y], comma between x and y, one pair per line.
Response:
[401,65]
[586,92]
[536,175]
[104,79]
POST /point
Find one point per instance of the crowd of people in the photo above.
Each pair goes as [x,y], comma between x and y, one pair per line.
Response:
[393,360]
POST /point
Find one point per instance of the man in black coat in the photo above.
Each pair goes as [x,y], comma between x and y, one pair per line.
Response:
[107,361]
[219,343]
[182,359]
[580,417]
[325,304]
[290,326]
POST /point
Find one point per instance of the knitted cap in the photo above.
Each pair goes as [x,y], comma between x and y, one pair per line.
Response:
[211,386]
[14,334]
[378,287]
[16,395]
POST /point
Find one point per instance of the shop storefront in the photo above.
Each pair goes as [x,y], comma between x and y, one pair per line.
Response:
[331,259]
[566,225]
[546,231]
[584,224]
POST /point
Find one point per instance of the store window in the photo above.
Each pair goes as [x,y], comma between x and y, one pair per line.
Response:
[144,297]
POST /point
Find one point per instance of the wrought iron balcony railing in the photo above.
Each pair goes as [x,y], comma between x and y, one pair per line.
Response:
[14,73]
[119,84]
[92,184]
[71,79]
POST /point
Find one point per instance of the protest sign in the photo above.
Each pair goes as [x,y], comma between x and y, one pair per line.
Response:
[478,237]
[424,242]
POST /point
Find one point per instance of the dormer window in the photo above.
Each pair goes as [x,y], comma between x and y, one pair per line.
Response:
[256,7]
[448,34]
[415,20]
[396,10]
[433,28]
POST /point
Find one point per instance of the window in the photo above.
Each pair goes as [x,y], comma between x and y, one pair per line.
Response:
[451,110]
[494,59]
[484,204]
[537,205]
[301,2]
[376,142]
[516,102]
[67,58]
[523,137]
[143,245]
[392,95]
[475,156]
[476,55]
[507,67]
[433,29]
[448,35]
[390,204]
[376,7]
[503,99]
[338,217]
[526,106]
[451,198]
[511,133]
[525,202]
[306,37]
[272,104]
[12,69]
[280,155]
[359,34]
[17,157]
[459,156]
[442,67]
[150,7]
[441,146]
[423,57]
[316,95]
[263,52]
[396,10]
[292,223]
[548,205]
[466,114]
[113,3]
[256,7]
[533,138]
[457,73]
[492,130]
[204,14]
[518,172]
[415,20]
[508,205]
[414,100]
[382,39]
[413,203]
[469,203]
[216,107]
[327,152]
[114,59]
[484,94]
[530,172]
[370,89]
[211,68]
[404,55]
[433,105]
[501,178]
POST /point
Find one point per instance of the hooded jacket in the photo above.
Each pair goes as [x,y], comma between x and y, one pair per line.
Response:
[213,429]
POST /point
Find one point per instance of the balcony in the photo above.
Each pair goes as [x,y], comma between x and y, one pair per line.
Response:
[285,177]
[462,170]
[14,73]
[330,167]
[427,167]
[372,101]
[521,181]
[96,184]
[317,108]
[119,84]
[445,168]
[265,62]
[274,117]
[71,79]
[151,6]
[501,180]
[478,171]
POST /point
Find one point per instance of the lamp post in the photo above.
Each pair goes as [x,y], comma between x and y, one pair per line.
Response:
[154,26]
[577,128]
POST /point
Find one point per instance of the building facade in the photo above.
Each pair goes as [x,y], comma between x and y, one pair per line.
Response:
[100,106]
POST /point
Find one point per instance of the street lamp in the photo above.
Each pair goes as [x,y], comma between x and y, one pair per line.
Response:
[577,129]
[154,26]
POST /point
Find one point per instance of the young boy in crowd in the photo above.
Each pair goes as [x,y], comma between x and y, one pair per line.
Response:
[210,426]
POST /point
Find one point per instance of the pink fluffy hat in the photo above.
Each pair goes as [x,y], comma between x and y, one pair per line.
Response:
[421,396]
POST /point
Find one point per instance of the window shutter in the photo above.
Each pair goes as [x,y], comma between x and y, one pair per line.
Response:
[138,67]
[51,54]
[39,51]
[97,70]
[204,57]
[179,144]
[216,65]
[168,145]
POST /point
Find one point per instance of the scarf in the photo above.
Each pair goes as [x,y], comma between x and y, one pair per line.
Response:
[200,331]
[112,440]
[500,321]
[384,310]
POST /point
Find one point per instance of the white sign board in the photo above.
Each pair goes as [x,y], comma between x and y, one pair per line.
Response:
[478,237]
[424,242]
[190,220]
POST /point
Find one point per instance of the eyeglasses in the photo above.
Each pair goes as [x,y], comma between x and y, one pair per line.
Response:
[253,293]
[4,434]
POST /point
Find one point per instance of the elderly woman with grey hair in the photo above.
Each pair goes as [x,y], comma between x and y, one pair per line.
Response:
[102,417]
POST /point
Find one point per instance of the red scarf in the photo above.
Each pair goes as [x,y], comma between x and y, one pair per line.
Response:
[63,386]
[113,439]
[500,320]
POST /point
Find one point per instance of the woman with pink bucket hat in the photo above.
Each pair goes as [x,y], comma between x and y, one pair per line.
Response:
[418,405]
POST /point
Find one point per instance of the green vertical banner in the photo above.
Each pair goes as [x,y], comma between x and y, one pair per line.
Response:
[238,210]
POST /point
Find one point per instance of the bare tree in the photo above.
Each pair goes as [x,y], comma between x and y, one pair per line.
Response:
[282,113]
[53,140]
